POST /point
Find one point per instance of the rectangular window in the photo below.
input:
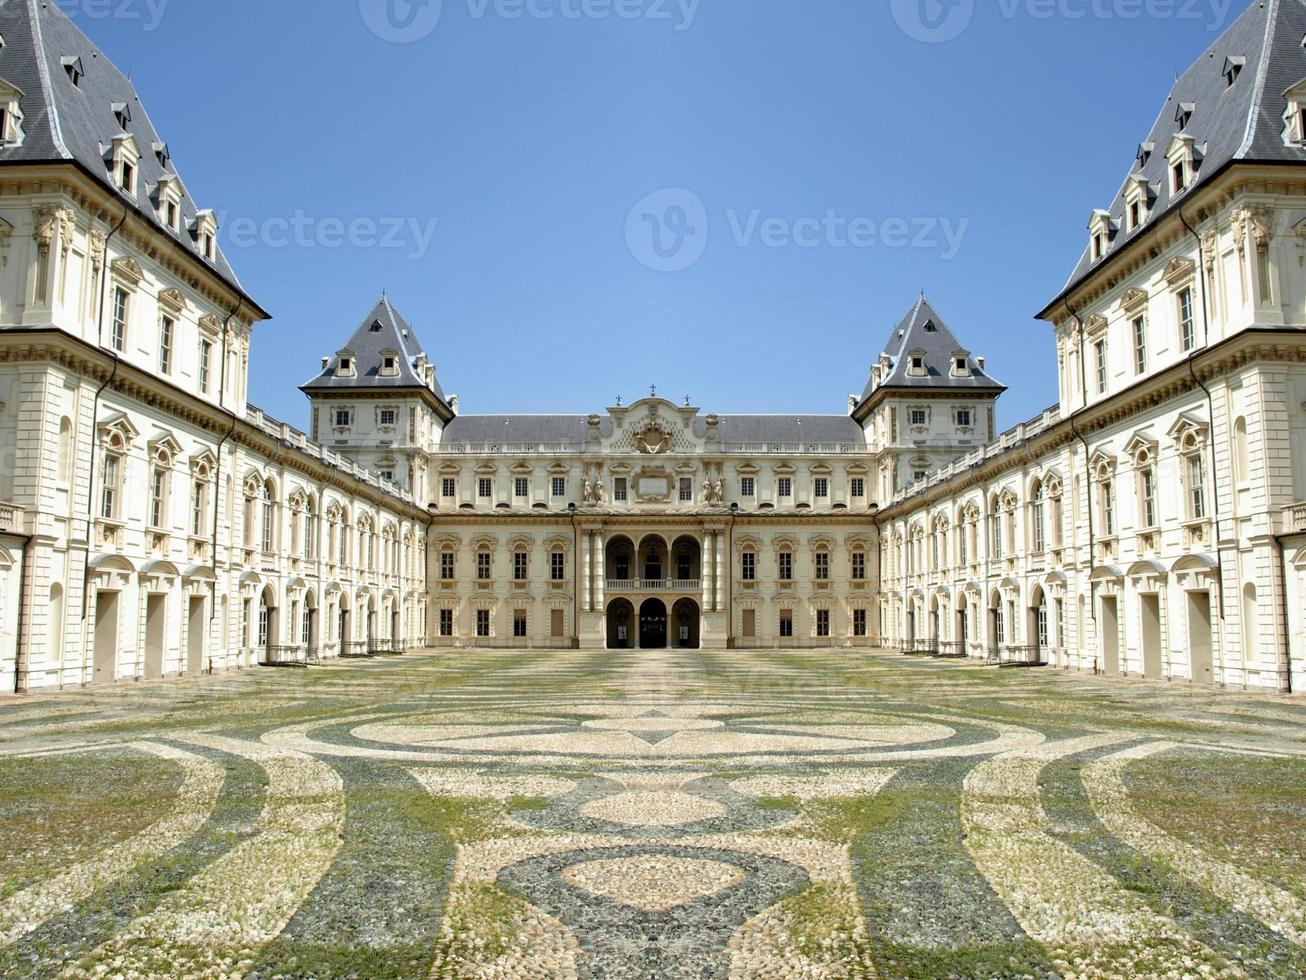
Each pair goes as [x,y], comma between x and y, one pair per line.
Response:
[521,488]
[388,417]
[1187,332]
[859,622]
[447,566]
[1147,490]
[964,419]
[206,365]
[749,617]
[121,310]
[485,488]
[749,568]
[859,566]
[686,490]
[786,623]
[448,488]
[620,493]
[786,566]
[167,328]
[559,486]
[109,488]
[858,488]
[446,622]
[786,487]
[1140,345]
[919,417]
[519,567]
[823,623]
[822,488]
[557,623]
[158,490]
[747,487]
[1100,350]
[822,566]
[558,567]
[344,418]
[483,623]
[483,566]
[1197,487]
[519,624]
[1109,508]
[197,509]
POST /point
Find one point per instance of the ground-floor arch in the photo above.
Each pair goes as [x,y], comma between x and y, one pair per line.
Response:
[685,621]
[653,625]
[621,624]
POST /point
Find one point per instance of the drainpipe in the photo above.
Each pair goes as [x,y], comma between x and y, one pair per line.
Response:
[731,639]
[1211,431]
[1088,476]
[578,562]
[217,475]
[1285,656]
[20,652]
[95,416]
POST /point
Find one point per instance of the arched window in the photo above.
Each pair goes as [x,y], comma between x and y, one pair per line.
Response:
[1038,522]
[1242,464]
[1107,499]
[1145,467]
[65,462]
[269,517]
[310,531]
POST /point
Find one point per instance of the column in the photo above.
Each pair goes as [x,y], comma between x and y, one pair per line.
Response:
[587,542]
[720,572]
[709,568]
[600,571]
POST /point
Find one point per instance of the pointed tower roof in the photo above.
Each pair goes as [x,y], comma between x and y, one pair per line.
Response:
[922,331]
[383,331]
[1231,103]
[75,103]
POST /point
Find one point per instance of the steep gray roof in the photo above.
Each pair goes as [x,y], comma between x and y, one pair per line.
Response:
[530,430]
[1242,122]
[789,429]
[924,330]
[384,329]
[67,123]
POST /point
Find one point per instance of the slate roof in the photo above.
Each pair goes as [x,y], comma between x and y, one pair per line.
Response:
[923,329]
[789,429]
[531,430]
[1228,124]
[67,123]
[383,329]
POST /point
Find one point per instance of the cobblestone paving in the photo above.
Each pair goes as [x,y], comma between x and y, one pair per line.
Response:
[652,815]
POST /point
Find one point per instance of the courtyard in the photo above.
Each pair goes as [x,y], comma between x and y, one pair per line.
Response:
[671,814]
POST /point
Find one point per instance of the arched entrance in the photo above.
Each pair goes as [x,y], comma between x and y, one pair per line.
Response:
[621,625]
[653,625]
[653,564]
[685,625]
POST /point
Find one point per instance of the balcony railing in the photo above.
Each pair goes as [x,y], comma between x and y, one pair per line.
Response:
[1294,518]
[654,585]
[11,518]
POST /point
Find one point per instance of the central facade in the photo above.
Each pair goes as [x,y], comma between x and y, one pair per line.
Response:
[653,524]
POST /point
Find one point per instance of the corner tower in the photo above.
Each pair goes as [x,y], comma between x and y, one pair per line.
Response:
[377,400]
[928,401]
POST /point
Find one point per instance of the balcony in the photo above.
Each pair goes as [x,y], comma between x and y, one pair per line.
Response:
[11,518]
[689,585]
[1294,518]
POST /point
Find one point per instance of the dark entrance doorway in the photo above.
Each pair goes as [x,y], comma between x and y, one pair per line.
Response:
[684,623]
[621,625]
[653,625]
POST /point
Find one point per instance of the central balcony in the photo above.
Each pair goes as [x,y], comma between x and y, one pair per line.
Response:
[690,585]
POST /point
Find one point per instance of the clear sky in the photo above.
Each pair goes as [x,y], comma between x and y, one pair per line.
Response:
[573,200]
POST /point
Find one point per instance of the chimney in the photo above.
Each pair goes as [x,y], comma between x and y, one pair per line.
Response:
[980,361]
[325,362]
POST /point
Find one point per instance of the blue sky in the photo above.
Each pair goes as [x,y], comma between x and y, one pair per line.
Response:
[818,162]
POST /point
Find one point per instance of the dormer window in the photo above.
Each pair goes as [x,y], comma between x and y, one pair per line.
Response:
[11,115]
[389,364]
[1294,115]
[1137,194]
[1184,114]
[1144,154]
[206,233]
[376,326]
[73,66]
[931,327]
[961,365]
[126,156]
[1099,230]
[1232,69]
[1180,157]
[345,366]
[163,155]
[123,113]
[916,364]
[170,201]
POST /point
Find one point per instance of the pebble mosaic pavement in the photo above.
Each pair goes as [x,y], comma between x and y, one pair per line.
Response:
[652,815]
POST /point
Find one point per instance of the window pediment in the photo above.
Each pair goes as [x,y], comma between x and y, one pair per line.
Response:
[1141,444]
[1180,272]
[127,271]
[1133,300]
[1095,324]
[172,300]
[1188,430]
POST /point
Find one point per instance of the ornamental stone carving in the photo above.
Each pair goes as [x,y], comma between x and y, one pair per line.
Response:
[652,439]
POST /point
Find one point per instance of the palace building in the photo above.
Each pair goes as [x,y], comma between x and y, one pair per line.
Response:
[154,524]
